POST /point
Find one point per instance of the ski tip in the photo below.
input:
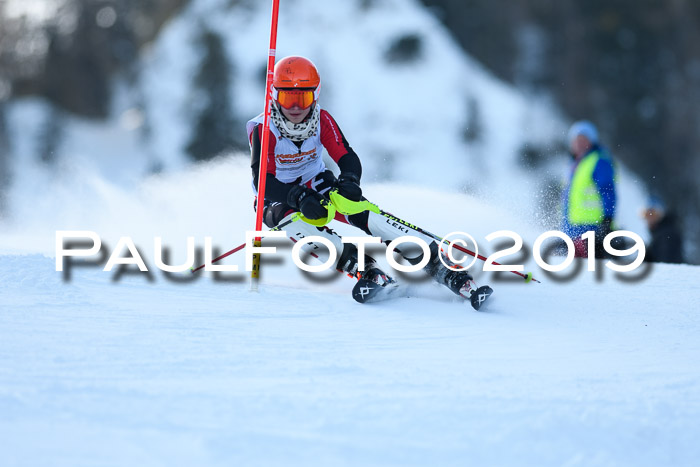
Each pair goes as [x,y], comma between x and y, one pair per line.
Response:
[480,295]
[366,291]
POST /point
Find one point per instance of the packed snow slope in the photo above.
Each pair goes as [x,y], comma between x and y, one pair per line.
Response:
[107,369]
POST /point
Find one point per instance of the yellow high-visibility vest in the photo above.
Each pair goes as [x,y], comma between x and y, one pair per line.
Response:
[585,203]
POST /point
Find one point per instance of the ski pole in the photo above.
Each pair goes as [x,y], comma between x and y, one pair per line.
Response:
[528,277]
[240,247]
[346,206]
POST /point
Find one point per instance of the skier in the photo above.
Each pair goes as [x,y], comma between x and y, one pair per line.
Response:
[297,181]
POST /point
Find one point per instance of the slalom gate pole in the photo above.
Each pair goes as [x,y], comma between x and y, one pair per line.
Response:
[265,141]
[279,226]
[528,277]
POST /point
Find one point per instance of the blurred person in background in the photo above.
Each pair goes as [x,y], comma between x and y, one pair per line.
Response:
[589,198]
[666,239]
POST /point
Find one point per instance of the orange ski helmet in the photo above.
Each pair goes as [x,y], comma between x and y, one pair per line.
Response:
[296,82]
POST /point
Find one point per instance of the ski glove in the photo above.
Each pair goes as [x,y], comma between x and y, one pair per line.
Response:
[307,201]
[348,185]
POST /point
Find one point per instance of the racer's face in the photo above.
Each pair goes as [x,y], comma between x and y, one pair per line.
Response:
[295,114]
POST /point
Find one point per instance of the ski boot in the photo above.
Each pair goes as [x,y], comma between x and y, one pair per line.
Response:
[373,284]
[458,281]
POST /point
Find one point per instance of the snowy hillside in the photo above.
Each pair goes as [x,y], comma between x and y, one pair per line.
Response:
[408,120]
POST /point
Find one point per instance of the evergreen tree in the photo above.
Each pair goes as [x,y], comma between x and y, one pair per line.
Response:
[4,159]
[215,126]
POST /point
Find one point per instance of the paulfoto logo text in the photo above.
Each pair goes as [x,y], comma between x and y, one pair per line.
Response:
[73,244]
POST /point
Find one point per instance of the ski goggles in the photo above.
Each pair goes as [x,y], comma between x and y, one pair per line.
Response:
[288,98]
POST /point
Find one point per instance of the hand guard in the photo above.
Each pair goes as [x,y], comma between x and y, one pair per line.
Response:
[307,201]
[348,185]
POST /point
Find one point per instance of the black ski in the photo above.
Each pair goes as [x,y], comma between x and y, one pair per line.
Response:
[480,295]
[367,291]
[376,286]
